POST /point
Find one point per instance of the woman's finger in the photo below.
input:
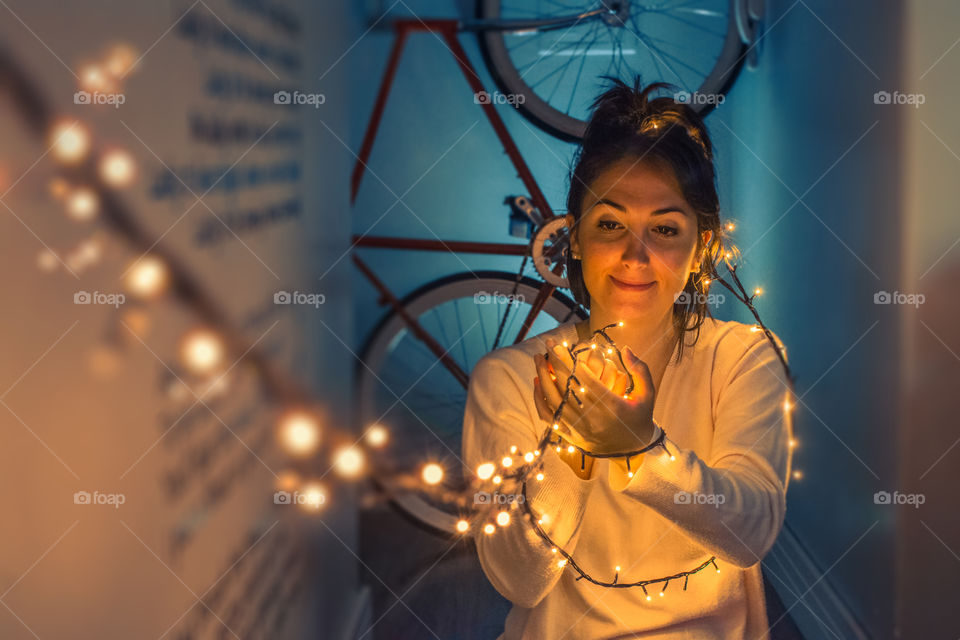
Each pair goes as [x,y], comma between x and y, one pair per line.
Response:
[548,382]
[589,382]
[560,352]
[620,384]
[554,391]
[609,375]
[595,362]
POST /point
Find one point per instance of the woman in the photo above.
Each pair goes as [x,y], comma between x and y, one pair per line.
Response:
[644,215]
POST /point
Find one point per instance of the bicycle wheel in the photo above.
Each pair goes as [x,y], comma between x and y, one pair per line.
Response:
[402,385]
[692,44]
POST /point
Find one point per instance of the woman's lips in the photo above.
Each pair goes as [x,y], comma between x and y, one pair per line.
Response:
[620,284]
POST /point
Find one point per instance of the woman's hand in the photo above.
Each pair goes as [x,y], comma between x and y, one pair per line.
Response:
[607,422]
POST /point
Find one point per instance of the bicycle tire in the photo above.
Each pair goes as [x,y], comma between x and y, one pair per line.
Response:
[390,342]
[559,123]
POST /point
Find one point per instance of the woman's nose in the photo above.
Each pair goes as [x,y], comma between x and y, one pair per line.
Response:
[635,251]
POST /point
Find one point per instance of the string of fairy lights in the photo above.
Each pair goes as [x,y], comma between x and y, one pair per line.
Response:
[87,186]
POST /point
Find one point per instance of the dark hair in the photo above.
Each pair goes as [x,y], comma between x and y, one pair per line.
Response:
[626,123]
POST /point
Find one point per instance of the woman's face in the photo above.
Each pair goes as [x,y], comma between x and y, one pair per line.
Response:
[637,241]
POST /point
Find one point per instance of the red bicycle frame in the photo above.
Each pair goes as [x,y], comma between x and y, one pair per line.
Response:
[448,29]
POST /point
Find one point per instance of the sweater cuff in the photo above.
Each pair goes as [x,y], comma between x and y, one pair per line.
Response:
[561,496]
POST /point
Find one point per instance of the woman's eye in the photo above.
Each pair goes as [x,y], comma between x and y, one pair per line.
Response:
[666,231]
[607,225]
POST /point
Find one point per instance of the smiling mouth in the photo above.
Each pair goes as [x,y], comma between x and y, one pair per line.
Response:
[632,287]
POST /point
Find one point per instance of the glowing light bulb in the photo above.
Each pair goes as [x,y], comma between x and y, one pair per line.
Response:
[376,435]
[462,526]
[287,481]
[82,204]
[121,60]
[59,188]
[571,449]
[486,470]
[489,528]
[544,518]
[731,226]
[609,350]
[528,457]
[562,563]
[793,443]
[503,518]
[620,324]
[555,426]
[93,78]
[539,476]
[507,461]
[583,390]
[348,461]
[798,474]
[566,344]
[147,277]
[513,449]
[553,550]
[593,346]
[201,350]
[300,433]
[497,479]
[617,568]
[315,496]
[757,291]
[432,473]
[70,141]
[117,168]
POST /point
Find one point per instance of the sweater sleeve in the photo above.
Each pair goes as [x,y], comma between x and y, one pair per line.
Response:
[519,564]
[734,503]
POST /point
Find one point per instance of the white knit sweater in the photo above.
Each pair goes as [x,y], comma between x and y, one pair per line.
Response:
[722,409]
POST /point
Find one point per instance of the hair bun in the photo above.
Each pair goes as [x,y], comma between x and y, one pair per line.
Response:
[623,112]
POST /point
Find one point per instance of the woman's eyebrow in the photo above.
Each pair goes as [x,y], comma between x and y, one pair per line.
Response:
[620,207]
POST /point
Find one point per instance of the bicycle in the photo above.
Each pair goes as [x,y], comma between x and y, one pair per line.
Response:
[421,338]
